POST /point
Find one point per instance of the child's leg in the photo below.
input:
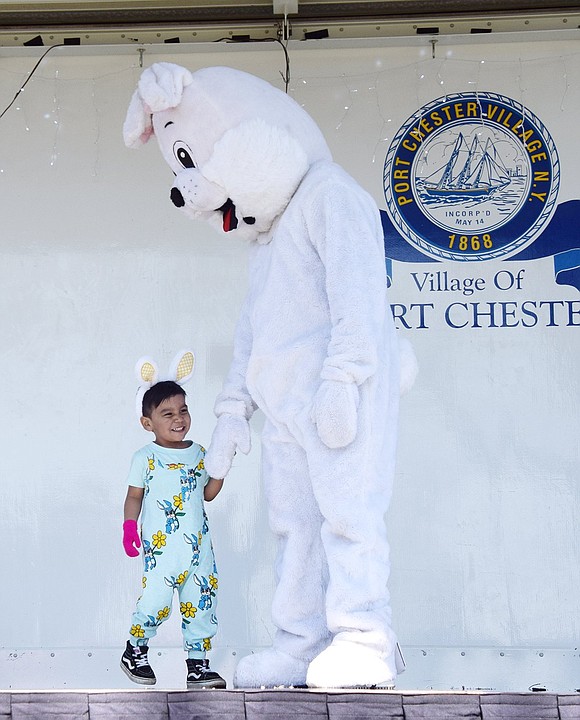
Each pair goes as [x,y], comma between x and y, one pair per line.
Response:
[198,603]
[153,608]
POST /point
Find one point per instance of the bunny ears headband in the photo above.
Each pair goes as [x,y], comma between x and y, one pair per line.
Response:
[180,371]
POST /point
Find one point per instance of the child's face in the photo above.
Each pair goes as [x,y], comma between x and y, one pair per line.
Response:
[170,422]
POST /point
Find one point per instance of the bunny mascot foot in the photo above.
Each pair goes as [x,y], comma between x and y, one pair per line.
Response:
[315,350]
[350,665]
[270,668]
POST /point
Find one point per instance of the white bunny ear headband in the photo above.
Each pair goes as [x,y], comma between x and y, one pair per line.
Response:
[180,371]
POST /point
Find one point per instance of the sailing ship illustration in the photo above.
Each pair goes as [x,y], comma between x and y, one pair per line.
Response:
[482,173]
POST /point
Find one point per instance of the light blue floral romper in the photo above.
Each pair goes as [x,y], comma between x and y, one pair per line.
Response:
[176,545]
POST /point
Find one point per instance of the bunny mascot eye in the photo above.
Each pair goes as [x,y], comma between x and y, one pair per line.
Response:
[183,155]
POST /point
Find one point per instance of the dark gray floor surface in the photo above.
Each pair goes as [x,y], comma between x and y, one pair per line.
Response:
[292,704]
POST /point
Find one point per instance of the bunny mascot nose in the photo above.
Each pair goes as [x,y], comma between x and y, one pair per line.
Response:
[177,197]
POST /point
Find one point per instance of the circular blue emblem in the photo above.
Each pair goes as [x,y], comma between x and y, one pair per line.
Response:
[471,176]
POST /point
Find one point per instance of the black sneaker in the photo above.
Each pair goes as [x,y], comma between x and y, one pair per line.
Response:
[135,665]
[200,676]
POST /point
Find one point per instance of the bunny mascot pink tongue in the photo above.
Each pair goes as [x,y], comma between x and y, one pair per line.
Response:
[315,349]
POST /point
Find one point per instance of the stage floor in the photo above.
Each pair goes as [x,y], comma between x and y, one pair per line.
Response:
[147,704]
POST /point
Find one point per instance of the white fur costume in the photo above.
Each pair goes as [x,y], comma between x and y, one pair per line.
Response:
[315,350]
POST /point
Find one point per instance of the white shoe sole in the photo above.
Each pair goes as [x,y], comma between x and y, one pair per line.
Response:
[133,678]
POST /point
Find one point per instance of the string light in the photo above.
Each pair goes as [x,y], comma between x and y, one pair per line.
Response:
[346,107]
[56,120]
[566,85]
[381,139]
[439,78]
[419,76]
[522,103]
[482,114]
[97,115]
[20,109]
[375,88]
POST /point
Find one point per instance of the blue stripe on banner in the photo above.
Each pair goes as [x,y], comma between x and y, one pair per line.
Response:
[567,268]
[560,239]
[389,267]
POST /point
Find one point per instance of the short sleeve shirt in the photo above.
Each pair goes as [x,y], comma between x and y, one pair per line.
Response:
[172,514]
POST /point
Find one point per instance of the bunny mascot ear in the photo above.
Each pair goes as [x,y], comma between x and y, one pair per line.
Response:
[160,88]
[147,374]
[138,127]
[182,366]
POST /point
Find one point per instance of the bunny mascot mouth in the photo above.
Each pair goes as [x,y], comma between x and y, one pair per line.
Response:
[315,349]
[228,210]
[230,221]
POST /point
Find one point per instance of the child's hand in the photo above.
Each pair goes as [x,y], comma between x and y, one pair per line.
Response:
[131,541]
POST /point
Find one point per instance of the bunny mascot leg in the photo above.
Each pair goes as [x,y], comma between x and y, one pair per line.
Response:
[315,349]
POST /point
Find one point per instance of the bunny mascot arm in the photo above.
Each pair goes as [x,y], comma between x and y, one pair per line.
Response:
[315,349]
[234,408]
[356,303]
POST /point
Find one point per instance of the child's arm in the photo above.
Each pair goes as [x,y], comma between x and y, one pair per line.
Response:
[212,489]
[133,502]
[132,508]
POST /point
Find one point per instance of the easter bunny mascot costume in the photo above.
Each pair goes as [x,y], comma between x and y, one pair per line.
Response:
[315,349]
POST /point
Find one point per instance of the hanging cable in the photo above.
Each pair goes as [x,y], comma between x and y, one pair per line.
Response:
[244,38]
[285,75]
[28,79]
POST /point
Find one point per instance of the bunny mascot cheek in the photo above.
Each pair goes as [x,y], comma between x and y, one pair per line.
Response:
[315,349]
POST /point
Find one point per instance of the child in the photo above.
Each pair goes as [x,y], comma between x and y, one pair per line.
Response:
[167,486]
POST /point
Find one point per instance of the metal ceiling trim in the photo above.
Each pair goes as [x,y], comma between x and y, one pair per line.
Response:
[169,11]
[160,21]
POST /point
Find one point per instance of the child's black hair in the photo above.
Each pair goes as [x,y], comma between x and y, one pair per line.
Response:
[158,393]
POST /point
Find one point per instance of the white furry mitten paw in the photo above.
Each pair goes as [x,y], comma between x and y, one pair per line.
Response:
[231,433]
[334,412]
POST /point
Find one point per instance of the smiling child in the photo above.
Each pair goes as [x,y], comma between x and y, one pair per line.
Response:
[168,484]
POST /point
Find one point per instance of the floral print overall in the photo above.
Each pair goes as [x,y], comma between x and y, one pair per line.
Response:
[177,549]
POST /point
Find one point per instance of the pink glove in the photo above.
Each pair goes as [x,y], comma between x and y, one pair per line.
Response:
[131,541]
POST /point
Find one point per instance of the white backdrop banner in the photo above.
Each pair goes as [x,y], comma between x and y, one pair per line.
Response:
[469,147]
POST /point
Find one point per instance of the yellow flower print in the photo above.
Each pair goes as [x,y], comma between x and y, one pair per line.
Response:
[201,465]
[162,614]
[207,644]
[178,502]
[137,631]
[188,610]
[144,582]
[213,581]
[182,578]
[151,462]
[158,539]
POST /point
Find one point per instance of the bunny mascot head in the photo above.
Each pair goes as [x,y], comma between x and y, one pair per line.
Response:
[219,130]
[315,350]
